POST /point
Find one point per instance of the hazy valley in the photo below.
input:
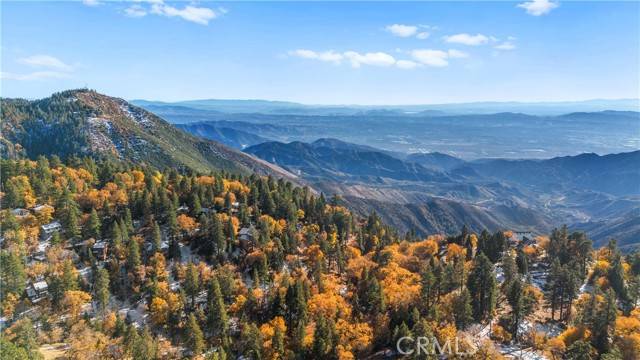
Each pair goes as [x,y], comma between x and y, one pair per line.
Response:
[433,171]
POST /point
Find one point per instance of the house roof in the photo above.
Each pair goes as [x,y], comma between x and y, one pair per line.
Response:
[51,226]
[40,285]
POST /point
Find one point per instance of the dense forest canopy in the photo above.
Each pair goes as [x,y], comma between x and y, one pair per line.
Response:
[113,260]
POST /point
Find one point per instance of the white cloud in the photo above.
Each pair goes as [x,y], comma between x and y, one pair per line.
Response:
[538,7]
[191,12]
[436,58]
[198,15]
[402,30]
[467,39]
[45,61]
[373,59]
[91,2]
[507,45]
[422,35]
[37,75]
[327,56]
[135,11]
[419,58]
[457,54]
[407,64]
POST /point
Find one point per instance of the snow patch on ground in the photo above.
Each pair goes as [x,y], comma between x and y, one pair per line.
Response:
[137,115]
[99,134]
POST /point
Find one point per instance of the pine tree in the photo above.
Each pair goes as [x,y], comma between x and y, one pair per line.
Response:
[509,269]
[133,254]
[93,225]
[192,283]
[102,289]
[217,316]
[156,237]
[127,220]
[73,224]
[69,277]
[194,335]
[616,277]
[580,350]
[251,340]
[522,262]
[219,240]
[462,311]
[521,304]
[603,324]
[13,274]
[324,339]
[482,286]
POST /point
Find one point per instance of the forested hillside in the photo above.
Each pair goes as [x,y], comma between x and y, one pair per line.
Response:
[105,259]
[84,122]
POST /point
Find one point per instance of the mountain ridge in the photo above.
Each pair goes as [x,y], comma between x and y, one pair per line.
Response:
[84,122]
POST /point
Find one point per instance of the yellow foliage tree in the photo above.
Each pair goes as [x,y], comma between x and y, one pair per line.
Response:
[73,301]
[400,287]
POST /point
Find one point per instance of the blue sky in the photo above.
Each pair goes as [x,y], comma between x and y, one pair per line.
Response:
[324,52]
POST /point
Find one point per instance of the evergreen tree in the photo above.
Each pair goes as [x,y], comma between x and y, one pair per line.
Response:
[194,335]
[93,225]
[219,240]
[192,283]
[509,269]
[156,237]
[580,350]
[522,262]
[13,274]
[616,277]
[603,324]
[324,339]
[521,304]
[102,289]
[133,254]
[217,315]
[462,311]
[482,286]
[251,342]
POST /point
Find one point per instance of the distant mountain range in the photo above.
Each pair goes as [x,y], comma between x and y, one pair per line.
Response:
[339,160]
[293,108]
[436,192]
[227,135]
[506,135]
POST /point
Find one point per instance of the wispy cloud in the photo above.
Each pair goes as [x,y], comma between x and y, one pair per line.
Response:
[402,30]
[467,39]
[419,58]
[406,31]
[371,58]
[327,56]
[37,75]
[198,15]
[407,64]
[429,57]
[506,45]
[354,58]
[45,61]
[538,7]
[192,12]
[91,2]
[135,11]
[46,67]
